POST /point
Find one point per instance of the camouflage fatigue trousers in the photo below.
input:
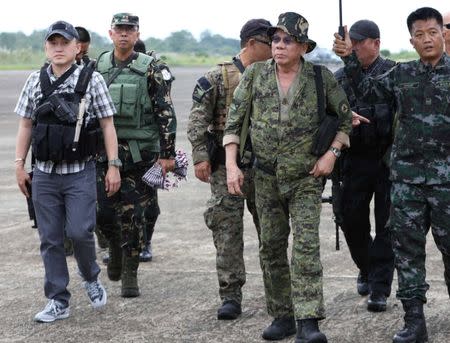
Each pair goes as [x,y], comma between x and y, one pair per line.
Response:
[125,216]
[296,291]
[224,217]
[414,209]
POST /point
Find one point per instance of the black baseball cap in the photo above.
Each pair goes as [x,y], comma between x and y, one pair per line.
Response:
[62,28]
[254,27]
[363,29]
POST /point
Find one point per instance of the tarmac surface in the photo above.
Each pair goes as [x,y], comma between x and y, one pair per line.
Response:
[179,288]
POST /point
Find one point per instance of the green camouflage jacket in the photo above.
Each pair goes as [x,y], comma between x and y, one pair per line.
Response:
[209,108]
[421,148]
[284,143]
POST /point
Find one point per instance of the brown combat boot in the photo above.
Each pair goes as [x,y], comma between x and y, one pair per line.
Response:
[114,266]
[130,288]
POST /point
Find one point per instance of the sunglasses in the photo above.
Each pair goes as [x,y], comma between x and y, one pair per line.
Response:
[262,41]
[447,26]
[287,40]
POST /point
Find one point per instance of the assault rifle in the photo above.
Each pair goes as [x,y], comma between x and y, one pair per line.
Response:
[336,200]
[30,204]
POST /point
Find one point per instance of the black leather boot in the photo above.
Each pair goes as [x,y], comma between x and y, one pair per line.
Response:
[415,329]
[229,310]
[280,328]
[308,332]
[114,263]
[362,284]
[146,254]
[130,288]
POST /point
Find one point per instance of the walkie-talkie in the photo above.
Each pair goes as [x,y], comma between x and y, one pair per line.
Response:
[341,27]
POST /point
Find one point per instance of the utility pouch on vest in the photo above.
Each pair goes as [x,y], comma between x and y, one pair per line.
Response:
[329,122]
[40,141]
[383,120]
[366,131]
[44,110]
[62,110]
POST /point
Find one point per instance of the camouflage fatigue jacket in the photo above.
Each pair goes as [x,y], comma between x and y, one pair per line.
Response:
[209,110]
[421,148]
[284,143]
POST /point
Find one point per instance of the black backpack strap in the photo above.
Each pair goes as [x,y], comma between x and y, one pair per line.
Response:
[319,90]
[238,63]
[84,78]
[47,87]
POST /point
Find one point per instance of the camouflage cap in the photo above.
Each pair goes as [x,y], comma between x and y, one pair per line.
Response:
[125,19]
[294,25]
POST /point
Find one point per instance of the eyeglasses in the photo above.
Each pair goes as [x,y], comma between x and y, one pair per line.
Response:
[287,40]
[262,41]
[447,26]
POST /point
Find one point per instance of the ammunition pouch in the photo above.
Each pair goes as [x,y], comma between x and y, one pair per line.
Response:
[376,135]
[52,140]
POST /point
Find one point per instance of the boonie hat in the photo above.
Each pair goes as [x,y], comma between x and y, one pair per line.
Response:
[254,27]
[125,19]
[363,29]
[294,25]
[62,28]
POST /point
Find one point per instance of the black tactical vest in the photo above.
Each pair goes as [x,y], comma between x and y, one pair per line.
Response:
[55,121]
[376,137]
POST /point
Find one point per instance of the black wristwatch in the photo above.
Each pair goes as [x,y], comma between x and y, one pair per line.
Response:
[335,151]
[115,163]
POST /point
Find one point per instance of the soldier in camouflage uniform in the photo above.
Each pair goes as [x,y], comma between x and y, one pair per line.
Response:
[420,163]
[288,178]
[224,215]
[146,125]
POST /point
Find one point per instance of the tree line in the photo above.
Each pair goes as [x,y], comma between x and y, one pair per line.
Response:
[177,42]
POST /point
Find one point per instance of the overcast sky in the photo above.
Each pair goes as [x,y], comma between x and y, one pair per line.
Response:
[160,18]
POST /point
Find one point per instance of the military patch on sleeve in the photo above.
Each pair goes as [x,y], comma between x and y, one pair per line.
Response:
[344,107]
[202,87]
[166,74]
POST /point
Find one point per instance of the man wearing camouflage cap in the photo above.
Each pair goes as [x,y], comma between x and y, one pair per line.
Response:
[288,178]
[224,215]
[146,126]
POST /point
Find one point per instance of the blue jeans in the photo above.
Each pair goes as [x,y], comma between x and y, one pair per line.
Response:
[66,202]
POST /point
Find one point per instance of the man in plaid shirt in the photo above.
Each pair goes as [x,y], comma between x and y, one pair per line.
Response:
[64,189]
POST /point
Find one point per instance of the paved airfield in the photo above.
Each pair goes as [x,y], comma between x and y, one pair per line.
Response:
[179,296]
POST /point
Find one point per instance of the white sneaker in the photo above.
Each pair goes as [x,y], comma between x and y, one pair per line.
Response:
[53,311]
[96,293]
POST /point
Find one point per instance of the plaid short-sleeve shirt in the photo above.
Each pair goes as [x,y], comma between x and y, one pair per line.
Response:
[98,105]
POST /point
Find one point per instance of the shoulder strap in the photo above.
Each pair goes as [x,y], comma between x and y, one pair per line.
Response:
[319,90]
[84,78]
[47,87]
[245,129]
[226,84]
[238,63]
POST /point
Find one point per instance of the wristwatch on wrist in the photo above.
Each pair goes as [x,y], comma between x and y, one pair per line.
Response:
[115,163]
[335,151]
